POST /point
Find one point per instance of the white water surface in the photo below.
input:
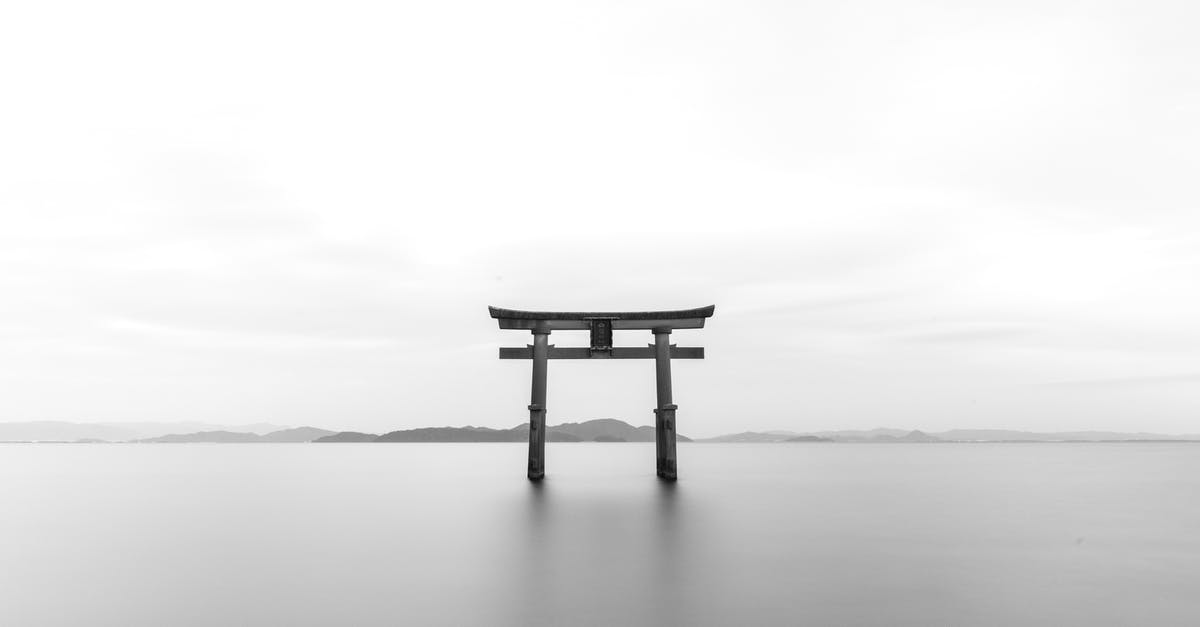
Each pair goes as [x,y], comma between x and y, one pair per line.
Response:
[453,534]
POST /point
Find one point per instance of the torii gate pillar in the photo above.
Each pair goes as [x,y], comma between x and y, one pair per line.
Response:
[601,325]
[664,416]
[537,406]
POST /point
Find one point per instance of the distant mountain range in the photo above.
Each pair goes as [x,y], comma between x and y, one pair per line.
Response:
[954,435]
[62,431]
[298,434]
[350,436]
[602,430]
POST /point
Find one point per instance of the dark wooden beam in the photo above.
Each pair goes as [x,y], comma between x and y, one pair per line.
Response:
[618,352]
[699,312]
[584,325]
[581,320]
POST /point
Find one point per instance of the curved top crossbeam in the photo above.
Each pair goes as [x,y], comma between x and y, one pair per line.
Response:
[568,320]
[699,312]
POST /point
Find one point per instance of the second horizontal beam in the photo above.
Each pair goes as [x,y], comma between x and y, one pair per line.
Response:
[619,352]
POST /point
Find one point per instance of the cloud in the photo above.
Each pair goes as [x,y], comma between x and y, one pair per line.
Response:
[1127,382]
[973,333]
[209,339]
[891,208]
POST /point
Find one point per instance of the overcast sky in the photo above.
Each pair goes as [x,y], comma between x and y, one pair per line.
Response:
[924,215]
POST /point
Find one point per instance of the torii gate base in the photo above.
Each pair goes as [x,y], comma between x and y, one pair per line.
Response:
[601,325]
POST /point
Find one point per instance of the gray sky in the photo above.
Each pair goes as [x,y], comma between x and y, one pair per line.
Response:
[930,215]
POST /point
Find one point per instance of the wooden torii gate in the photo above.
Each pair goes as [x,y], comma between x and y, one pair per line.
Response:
[601,324]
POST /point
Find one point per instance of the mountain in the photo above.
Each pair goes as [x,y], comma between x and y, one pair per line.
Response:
[919,436]
[1005,435]
[886,436]
[348,436]
[64,431]
[298,434]
[954,435]
[606,430]
[452,434]
[911,436]
[602,430]
[472,434]
[756,436]
[206,436]
[60,431]
[143,430]
[873,435]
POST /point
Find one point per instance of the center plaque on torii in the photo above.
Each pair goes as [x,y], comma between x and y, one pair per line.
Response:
[601,325]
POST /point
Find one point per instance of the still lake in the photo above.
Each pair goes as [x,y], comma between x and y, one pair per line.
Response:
[453,534]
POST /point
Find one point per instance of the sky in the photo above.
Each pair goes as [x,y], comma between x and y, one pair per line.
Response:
[925,215]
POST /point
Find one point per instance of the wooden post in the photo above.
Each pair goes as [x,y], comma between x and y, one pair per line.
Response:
[537,406]
[664,416]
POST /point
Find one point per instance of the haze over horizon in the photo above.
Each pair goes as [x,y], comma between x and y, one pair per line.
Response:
[935,215]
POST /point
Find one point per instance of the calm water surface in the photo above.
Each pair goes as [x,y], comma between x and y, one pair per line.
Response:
[453,534]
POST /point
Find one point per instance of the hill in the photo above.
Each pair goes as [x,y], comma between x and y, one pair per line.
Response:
[1005,435]
[606,430]
[222,437]
[60,431]
[143,430]
[451,434]
[299,434]
[348,436]
[601,430]
[472,434]
[64,431]
[808,438]
[954,435]
[756,436]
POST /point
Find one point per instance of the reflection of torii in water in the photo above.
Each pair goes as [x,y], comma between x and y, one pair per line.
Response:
[601,325]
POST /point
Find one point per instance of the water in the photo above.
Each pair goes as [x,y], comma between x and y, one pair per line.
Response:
[452,534]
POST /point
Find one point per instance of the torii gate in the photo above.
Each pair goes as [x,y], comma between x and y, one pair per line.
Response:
[601,325]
